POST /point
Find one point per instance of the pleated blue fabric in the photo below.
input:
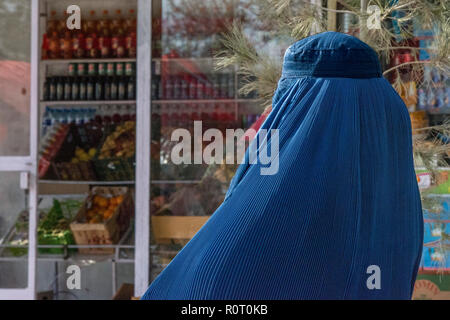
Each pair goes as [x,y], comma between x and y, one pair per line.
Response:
[341,218]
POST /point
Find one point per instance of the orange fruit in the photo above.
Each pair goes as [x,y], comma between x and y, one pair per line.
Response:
[103,202]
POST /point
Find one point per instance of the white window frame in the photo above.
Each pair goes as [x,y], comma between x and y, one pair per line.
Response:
[28,164]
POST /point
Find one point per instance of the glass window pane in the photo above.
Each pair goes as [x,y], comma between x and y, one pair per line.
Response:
[13,232]
[14,77]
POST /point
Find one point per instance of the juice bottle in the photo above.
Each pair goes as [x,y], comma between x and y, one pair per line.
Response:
[91,37]
[65,43]
[78,44]
[104,40]
[130,35]
[117,34]
[51,27]
[54,46]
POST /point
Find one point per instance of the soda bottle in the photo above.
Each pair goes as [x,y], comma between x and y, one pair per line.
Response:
[101,69]
[114,88]
[46,91]
[92,69]
[52,89]
[81,69]
[122,89]
[59,88]
[110,69]
[75,89]
[83,88]
[46,122]
[90,89]
[67,88]
[129,69]
[119,69]
[131,88]
[107,88]
[99,87]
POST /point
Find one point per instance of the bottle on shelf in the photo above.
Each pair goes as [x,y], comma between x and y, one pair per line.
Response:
[59,88]
[67,88]
[118,36]
[99,88]
[75,89]
[130,37]
[91,36]
[104,38]
[131,88]
[82,92]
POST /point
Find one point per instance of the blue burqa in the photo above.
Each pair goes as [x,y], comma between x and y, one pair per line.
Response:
[341,218]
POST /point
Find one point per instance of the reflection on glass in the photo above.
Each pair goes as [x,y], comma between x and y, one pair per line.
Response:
[14,77]
[13,231]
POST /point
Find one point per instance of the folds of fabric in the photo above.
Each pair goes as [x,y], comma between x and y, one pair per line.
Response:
[345,198]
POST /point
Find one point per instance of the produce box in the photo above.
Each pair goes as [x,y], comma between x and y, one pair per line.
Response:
[115,159]
[53,228]
[74,159]
[103,218]
[176,229]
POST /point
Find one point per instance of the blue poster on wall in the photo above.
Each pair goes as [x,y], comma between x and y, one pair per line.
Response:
[436,230]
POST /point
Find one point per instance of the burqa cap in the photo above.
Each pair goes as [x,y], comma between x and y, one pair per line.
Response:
[331,54]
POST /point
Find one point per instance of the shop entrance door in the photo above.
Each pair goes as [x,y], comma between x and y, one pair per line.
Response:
[18,146]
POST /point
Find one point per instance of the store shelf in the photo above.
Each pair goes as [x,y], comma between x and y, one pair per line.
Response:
[87,60]
[98,183]
[196,101]
[175,181]
[87,102]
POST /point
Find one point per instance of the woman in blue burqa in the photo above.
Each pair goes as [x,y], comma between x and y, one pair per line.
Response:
[341,216]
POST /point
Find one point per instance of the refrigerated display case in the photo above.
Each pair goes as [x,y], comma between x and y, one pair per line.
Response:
[189,93]
[105,100]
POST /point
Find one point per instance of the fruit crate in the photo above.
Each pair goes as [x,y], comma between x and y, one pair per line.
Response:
[90,231]
[111,162]
[80,137]
[176,229]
